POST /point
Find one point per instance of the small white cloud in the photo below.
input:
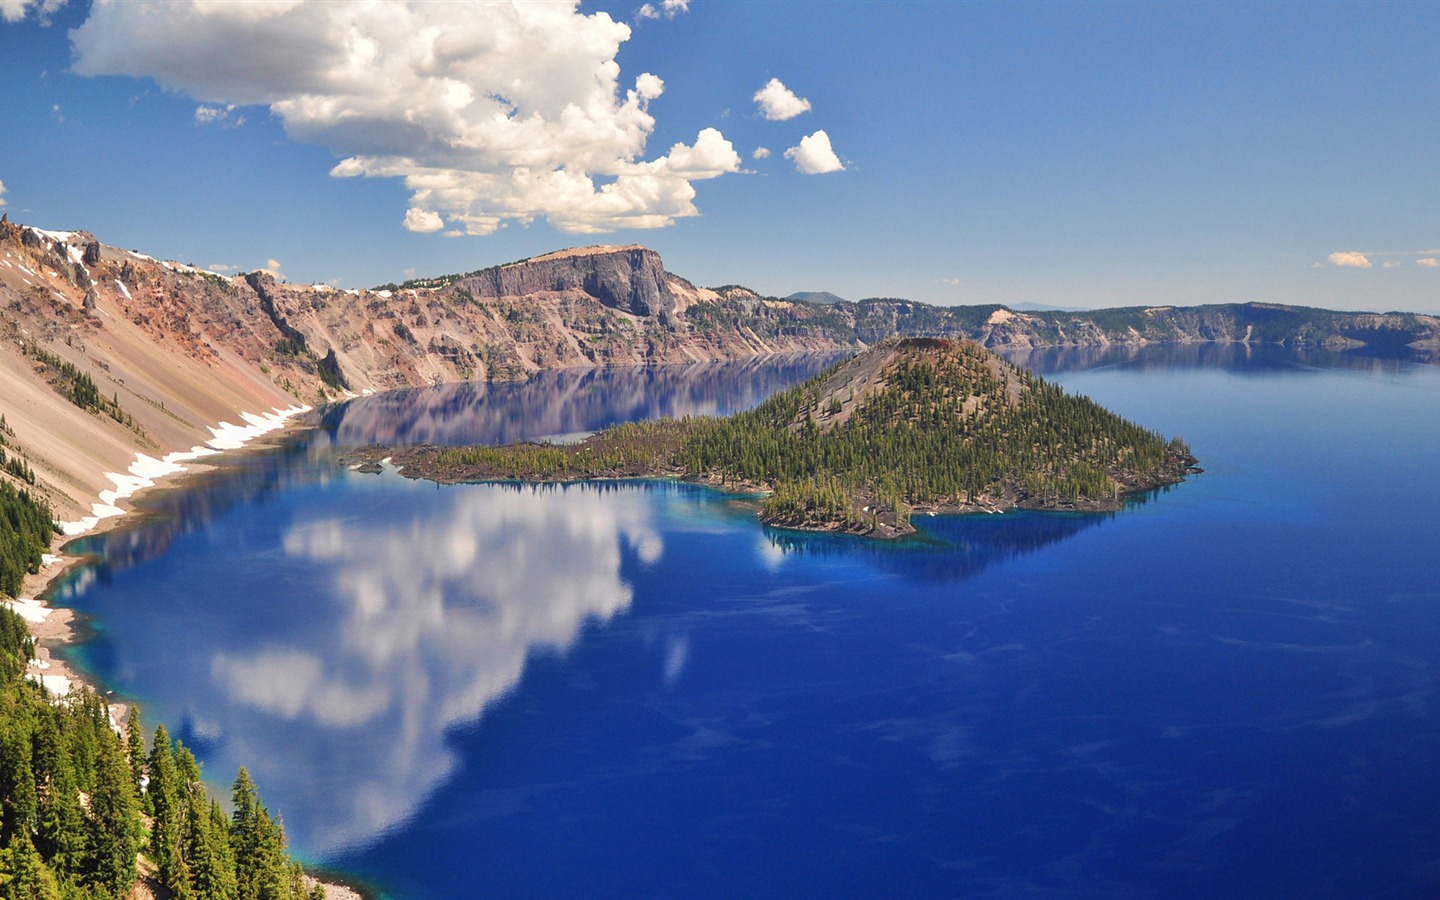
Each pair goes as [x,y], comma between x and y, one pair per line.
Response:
[814,156]
[57,114]
[408,273]
[222,116]
[274,269]
[711,157]
[423,221]
[778,103]
[1429,261]
[2,193]
[953,282]
[16,10]
[648,87]
[1350,258]
[222,267]
[1390,263]
[761,153]
[668,9]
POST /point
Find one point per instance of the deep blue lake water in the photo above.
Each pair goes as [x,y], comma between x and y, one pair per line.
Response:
[1227,690]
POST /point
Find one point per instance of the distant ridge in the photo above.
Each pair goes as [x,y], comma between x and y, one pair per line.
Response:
[825,298]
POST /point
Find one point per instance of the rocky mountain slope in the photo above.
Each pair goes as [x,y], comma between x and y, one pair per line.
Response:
[162,354]
[108,353]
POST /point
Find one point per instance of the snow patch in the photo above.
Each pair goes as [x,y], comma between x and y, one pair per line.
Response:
[32,611]
[58,236]
[55,685]
[123,289]
[146,469]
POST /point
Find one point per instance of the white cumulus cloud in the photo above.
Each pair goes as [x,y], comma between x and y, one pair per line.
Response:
[1390,263]
[1430,261]
[778,103]
[488,112]
[1350,258]
[423,221]
[761,153]
[17,10]
[814,156]
[2,193]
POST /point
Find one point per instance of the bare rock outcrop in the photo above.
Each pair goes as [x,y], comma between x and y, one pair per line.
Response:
[630,279]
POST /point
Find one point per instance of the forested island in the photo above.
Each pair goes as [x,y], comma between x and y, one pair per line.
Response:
[912,424]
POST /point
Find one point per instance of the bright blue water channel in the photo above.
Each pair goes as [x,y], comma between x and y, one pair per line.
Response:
[635,690]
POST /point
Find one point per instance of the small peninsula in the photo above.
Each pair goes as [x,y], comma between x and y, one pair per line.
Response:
[909,425]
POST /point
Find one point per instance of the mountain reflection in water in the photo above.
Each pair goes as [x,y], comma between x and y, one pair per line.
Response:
[564,402]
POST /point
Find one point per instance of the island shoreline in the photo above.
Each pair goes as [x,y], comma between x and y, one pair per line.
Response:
[418,464]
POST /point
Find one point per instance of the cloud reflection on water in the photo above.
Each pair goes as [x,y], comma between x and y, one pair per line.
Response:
[434,619]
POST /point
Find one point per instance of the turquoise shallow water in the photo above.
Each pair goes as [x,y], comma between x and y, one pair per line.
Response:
[1228,689]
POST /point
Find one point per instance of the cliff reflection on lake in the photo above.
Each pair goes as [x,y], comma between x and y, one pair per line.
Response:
[564,402]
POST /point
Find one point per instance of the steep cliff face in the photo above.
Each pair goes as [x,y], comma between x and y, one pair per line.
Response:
[592,306]
[629,279]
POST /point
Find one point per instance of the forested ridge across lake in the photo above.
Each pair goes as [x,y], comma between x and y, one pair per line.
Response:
[909,424]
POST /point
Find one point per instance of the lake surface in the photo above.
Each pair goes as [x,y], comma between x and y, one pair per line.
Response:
[1228,689]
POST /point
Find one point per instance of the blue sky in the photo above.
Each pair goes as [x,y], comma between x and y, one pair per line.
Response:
[1074,155]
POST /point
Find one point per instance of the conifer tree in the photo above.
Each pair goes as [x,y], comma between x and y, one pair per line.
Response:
[114,822]
[135,750]
[164,792]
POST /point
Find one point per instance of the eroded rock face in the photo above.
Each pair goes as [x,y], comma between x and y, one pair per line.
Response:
[630,279]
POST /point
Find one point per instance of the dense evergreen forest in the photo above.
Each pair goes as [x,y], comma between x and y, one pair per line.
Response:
[81,811]
[910,423]
[26,527]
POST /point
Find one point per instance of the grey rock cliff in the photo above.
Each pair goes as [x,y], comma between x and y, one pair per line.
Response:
[630,279]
